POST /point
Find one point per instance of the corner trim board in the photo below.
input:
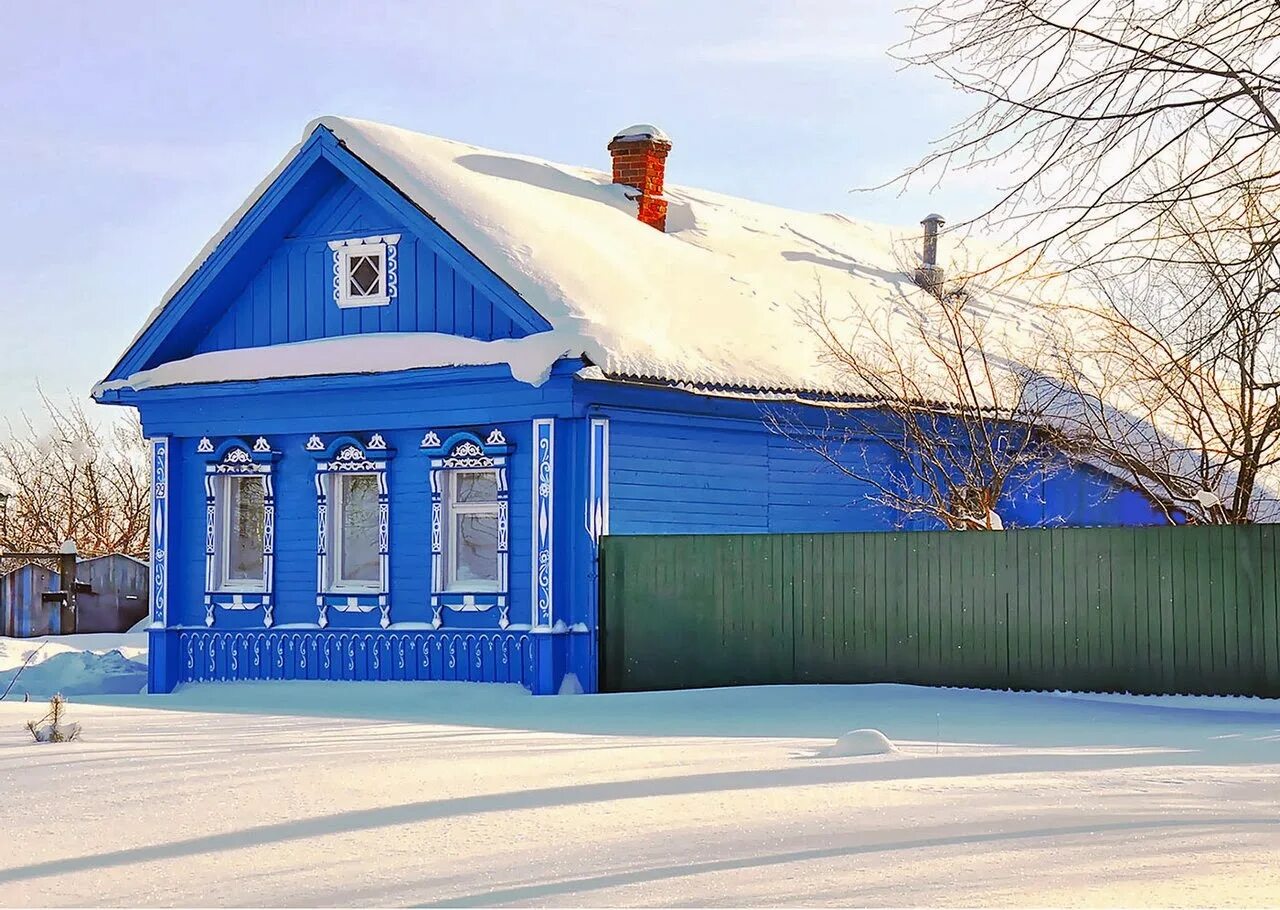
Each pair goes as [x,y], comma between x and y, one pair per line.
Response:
[544,429]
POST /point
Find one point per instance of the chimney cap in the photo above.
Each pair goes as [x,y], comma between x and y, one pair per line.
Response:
[933,218]
[638,131]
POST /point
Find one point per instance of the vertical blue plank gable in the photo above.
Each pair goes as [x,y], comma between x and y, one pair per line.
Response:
[284,302]
[267,281]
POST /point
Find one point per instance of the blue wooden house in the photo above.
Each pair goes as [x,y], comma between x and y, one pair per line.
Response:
[398,398]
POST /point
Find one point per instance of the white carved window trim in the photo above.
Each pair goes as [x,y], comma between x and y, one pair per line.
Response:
[348,455]
[384,247]
[465,451]
[236,458]
[222,548]
[454,508]
[335,583]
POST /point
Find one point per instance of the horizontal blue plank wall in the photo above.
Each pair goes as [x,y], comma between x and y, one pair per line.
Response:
[290,298]
[408,481]
[684,474]
[731,472]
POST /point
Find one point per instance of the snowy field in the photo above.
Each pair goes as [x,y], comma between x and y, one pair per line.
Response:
[444,794]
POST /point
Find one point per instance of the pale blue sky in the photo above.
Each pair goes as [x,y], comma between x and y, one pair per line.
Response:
[129,131]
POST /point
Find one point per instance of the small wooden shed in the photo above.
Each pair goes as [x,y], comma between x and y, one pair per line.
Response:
[117,593]
[112,595]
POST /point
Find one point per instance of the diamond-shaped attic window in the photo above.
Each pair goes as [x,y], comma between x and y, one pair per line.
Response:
[365,276]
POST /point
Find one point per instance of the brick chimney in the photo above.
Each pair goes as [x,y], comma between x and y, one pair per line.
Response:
[640,161]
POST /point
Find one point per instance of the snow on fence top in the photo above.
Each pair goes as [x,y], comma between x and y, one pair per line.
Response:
[712,301]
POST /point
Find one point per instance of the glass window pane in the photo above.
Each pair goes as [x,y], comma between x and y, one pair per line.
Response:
[476,486]
[476,538]
[244,535]
[366,275]
[359,543]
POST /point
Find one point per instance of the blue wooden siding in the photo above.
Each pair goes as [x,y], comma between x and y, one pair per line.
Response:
[689,475]
[290,298]
[682,473]
[686,476]
[296,525]
[401,416]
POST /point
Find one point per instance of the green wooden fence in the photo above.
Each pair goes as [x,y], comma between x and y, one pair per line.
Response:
[1148,610]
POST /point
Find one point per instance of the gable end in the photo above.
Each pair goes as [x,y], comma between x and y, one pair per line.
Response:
[260,282]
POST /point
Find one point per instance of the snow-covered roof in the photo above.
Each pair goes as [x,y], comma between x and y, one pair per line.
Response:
[712,301]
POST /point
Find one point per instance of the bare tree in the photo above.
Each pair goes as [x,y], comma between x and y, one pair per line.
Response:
[76,480]
[1113,114]
[942,389]
[1180,383]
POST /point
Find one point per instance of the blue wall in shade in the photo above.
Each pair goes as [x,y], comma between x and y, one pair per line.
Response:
[684,463]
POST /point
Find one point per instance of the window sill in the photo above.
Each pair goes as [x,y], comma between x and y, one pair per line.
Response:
[351,591]
[352,303]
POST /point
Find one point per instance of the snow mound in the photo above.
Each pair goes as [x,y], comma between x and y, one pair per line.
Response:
[571,685]
[73,665]
[860,742]
[78,673]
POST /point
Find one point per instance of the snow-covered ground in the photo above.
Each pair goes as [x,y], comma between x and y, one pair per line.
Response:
[90,664]
[404,793]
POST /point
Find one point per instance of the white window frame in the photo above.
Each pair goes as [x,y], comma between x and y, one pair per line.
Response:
[453,508]
[223,556]
[384,247]
[335,583]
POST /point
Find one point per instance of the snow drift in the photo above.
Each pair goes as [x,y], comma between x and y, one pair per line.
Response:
[99,664]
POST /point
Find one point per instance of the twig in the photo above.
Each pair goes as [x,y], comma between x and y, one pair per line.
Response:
[13,682]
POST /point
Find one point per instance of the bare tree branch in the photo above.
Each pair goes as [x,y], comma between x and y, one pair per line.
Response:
[75,481]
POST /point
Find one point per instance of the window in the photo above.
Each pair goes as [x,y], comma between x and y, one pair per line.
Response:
[240,523]
[471,552]
[364,271]
[356,563]
[241,506]
[470,539]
